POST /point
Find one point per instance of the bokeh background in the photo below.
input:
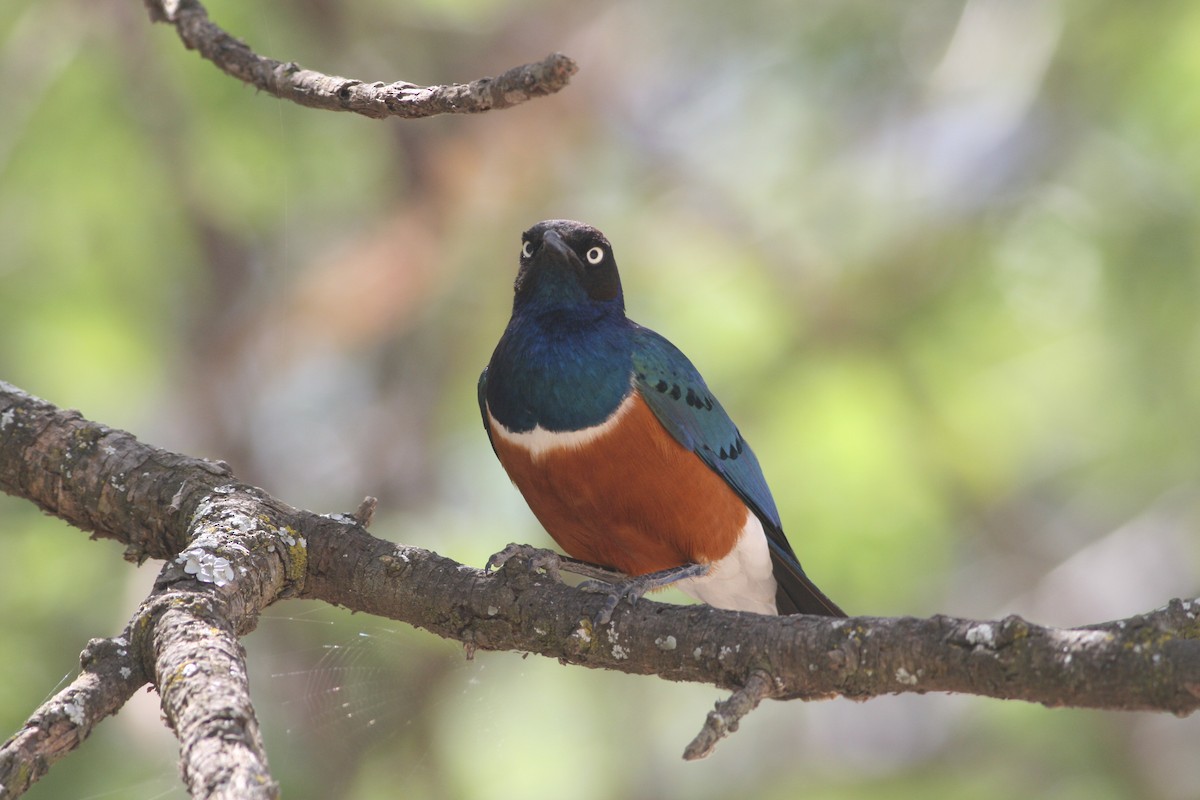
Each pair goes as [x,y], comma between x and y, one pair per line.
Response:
[938,258]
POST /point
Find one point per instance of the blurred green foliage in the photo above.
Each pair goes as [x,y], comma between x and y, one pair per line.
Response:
[938,258]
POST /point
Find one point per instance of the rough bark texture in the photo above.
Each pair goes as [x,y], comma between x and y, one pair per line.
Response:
[228,553]
[290,81]
[108,678]
[231,550]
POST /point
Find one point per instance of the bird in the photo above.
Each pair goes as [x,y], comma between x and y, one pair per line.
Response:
[619,447]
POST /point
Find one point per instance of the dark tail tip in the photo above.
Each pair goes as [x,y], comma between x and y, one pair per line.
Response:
[798,595]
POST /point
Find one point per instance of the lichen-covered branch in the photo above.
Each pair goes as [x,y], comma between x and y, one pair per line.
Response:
[233,554]
[184,640]
[100,479]
[232,550]
[290,81]
[200,672]
[108,678]
[242,555]
[1147,662]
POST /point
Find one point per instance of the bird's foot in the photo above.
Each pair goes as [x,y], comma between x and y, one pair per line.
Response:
[632,589]
[601,580]
[554,564]
[539,558]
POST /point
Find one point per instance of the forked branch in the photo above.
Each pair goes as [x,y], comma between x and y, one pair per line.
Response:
[232,550]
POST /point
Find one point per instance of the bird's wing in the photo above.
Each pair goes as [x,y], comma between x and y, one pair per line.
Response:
[682,402]
[684,405]
[483,409]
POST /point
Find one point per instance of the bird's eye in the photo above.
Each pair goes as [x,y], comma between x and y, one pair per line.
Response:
[595,255]
[527,248]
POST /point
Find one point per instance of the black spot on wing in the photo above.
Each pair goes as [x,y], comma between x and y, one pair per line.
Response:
[731,451]
[734,448]
[697,399]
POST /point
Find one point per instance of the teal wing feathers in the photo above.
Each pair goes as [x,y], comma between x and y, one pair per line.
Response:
[678,396]
[682,402]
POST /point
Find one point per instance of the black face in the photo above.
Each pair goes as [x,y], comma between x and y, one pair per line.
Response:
[578,253]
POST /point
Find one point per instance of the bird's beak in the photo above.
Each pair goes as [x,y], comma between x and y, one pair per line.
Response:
[554,246]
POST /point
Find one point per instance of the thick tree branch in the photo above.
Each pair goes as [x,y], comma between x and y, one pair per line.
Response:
[1147,662]
[290,81]
[244,549]
[233,560]
[241,557]
[200,672]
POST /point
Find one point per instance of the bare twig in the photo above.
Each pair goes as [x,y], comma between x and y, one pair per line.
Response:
[365,512]
[290,81]
[724,719]
[109,677]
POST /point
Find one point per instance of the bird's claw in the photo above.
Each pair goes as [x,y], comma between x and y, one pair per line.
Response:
[630,589]
[539,558]
[601,580]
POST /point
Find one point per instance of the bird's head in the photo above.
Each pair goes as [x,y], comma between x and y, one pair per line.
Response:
[567,265]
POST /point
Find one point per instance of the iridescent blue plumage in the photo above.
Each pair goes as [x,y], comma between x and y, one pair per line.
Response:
[687,409]
[569,359]
[560,375]
[681,400]
[566,354]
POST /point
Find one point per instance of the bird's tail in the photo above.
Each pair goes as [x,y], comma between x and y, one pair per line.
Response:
[796,593]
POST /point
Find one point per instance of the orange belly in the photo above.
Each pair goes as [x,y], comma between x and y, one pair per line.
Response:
[633,499]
